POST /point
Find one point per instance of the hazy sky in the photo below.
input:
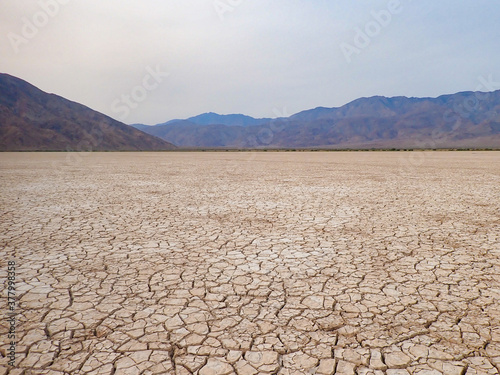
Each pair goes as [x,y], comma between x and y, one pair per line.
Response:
[150,61]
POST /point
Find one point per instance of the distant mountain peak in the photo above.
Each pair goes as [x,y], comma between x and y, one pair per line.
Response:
[368,122]
[212,118]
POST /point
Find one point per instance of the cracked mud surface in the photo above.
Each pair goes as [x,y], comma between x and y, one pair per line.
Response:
[253,263]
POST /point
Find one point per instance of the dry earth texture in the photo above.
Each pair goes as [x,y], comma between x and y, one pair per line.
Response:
[253,263]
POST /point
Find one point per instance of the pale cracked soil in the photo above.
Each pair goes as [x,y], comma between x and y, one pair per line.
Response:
[253,263]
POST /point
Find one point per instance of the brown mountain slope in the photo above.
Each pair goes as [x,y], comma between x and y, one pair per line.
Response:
[32,120]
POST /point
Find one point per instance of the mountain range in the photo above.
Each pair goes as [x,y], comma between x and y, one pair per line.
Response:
[463,120]
[31,119]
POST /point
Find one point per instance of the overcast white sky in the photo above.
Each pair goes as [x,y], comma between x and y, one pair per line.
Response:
[263,58]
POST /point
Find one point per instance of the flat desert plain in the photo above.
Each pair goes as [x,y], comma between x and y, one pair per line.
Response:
[252,263]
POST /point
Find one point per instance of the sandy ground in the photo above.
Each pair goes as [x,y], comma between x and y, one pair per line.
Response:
[252,263]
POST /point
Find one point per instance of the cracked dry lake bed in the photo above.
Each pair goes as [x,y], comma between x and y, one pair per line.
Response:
[252,263]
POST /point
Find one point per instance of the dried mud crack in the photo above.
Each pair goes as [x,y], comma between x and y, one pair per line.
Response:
[253,263]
